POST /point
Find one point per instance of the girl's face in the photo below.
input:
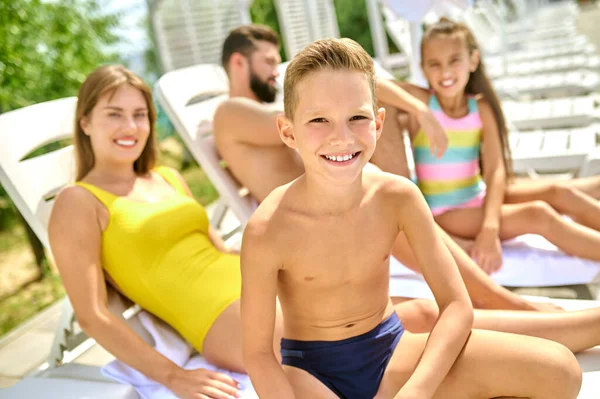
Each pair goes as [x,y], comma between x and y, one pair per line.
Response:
[447,64]
[118,126]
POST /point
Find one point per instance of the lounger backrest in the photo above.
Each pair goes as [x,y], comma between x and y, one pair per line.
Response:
[190,97]
[190,32]
[32,183]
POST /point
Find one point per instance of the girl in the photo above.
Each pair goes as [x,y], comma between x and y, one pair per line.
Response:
[466,188]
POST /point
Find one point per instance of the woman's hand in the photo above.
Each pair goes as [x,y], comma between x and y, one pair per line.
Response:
[202,384]
[487,251]
[438,140]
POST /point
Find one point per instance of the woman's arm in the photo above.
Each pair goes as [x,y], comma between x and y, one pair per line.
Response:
[413,100]
[455,319]
[75,237]
[487,251]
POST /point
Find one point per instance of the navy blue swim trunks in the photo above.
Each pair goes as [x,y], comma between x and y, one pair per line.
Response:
[352,368]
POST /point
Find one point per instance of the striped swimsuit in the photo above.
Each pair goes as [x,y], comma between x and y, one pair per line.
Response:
[454,180]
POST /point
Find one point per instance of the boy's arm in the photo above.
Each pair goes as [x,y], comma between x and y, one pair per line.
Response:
[412,99]
[455,319]
[246,121]
[260,267]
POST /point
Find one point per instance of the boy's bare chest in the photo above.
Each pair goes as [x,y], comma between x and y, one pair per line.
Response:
[331,252]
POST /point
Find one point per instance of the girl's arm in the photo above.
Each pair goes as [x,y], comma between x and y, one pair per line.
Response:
[487,249]
[413,99]
[75,238]
[455,319]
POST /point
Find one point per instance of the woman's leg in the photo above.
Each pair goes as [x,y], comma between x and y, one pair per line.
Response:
[492,365]
[564,196]
[531,217]
[578,330]
[223,343]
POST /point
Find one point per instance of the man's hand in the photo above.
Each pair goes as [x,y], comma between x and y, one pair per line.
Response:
[438,139]
[203,384]
[487,251]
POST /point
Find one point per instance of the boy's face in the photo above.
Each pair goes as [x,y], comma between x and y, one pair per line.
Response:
[334,128]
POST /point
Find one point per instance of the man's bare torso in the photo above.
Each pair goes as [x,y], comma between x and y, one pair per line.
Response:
[258,168]
[334,280]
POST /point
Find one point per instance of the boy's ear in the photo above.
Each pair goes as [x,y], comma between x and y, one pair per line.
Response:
[286,131]
[475,59]
[379,119]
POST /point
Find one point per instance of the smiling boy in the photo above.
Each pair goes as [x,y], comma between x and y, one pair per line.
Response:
[322,243]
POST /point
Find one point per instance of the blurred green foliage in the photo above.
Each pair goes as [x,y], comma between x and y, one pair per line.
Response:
[48,47]
[46,50]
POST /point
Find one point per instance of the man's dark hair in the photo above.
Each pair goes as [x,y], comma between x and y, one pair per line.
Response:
[243,40]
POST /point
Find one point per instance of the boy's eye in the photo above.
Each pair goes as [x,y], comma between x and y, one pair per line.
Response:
[114,114]
[318,120]
[140,115]
[358,117]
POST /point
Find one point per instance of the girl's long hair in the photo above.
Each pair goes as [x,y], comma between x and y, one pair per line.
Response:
[478,82]
[107,79]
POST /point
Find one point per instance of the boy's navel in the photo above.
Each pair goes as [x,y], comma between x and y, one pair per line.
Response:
[309,278]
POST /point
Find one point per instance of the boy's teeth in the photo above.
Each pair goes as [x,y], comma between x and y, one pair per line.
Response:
[340,158]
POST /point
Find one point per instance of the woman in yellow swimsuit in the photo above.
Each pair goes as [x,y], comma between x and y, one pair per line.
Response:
[139,225]
[136,226]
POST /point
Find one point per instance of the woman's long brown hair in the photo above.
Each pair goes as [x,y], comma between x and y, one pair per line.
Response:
[107,79]
[478,82]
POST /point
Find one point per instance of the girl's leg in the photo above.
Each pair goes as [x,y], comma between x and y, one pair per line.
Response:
[588,185]
[564,196]
[531,217]
[578,330]
[492,365]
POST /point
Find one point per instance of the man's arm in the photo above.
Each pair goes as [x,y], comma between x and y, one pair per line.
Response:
[246,121]
[455,319]
[259,291]
[412,99]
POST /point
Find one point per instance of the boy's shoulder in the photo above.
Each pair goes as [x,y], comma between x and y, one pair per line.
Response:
[265,217]
[389,186]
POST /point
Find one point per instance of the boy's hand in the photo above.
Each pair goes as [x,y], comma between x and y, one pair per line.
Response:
[438,140]
[487,251]
[203,384]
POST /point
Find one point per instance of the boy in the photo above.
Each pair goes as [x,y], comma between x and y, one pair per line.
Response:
[322,244]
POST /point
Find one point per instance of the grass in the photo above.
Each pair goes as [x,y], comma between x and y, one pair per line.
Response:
[29,301]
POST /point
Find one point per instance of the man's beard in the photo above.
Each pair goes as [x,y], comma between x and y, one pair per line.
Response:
[263,90]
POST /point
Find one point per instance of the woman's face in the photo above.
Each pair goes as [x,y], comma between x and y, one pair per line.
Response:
[118,126]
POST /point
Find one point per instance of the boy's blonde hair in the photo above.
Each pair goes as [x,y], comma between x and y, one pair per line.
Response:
[334,54]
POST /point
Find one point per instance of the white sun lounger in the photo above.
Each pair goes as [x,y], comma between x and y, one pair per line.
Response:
[553,113]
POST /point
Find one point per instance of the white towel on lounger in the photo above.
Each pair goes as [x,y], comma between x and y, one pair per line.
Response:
[174,347]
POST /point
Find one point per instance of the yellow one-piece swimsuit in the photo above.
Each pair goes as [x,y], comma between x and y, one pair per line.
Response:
[160,255]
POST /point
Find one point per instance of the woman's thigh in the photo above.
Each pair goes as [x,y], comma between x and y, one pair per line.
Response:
[223,343]
[491,365]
